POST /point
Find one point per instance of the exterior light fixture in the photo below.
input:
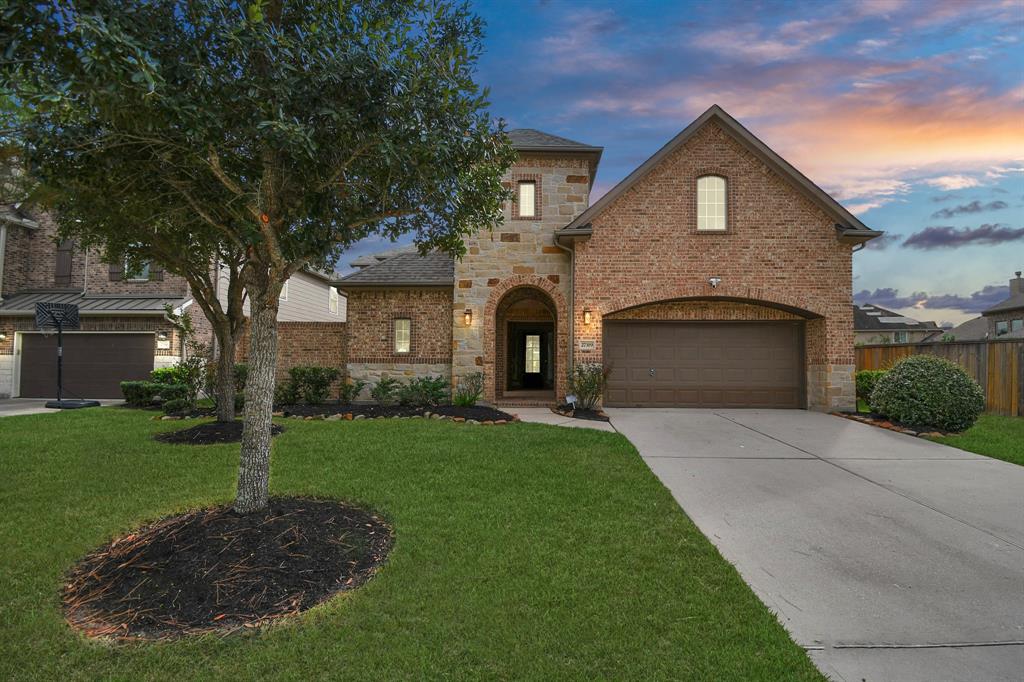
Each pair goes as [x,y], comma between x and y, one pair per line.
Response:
[586,316]
[3,336]
[714,282]
[468,316]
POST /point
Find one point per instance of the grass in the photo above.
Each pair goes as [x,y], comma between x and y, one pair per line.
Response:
[522,552]
[993,436]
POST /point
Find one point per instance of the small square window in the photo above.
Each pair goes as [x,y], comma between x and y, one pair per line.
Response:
[403,335]
[1002,327]
[527,199]
[901,337]
[332,300]
[1016,325]
[140,274]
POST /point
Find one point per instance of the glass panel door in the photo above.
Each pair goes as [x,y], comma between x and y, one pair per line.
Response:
[533,353]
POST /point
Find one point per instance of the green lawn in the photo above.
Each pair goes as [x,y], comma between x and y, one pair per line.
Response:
[522,552]
[993,436]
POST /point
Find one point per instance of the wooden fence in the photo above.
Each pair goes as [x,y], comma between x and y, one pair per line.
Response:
[998,366]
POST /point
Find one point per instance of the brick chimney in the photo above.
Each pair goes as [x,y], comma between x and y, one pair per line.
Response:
[1016,284]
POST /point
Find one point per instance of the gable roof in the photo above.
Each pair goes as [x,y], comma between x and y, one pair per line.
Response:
[405,270]
[974,329]
[850,228]
[528,139]
[1014,302]
[369,259]
[872,318]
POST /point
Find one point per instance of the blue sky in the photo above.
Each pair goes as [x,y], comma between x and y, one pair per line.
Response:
[910,112]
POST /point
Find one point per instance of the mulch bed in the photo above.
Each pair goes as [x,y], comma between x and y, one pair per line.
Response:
[884,422]
[211,433]
[479,413]
[566,410]
[214,569]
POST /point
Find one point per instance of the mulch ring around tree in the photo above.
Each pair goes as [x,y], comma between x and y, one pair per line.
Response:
[567,410]
[210,433]
[217,570]
[476,413]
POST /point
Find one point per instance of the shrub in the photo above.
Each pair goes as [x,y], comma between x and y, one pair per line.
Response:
[241,374]
[138,393]
[350,390]
[167,375]
[312,383]
[284,393]
[924,390]
[469,389]
[586,381]
[385,392]
[424,392]
[176,406]
[866,380]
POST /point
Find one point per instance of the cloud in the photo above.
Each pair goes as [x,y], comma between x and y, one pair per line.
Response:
[973,207]
[950,182]
[944,237]
[884,242]
[975,302]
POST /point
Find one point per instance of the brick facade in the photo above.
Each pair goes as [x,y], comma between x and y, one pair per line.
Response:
[779,251]
[304,343]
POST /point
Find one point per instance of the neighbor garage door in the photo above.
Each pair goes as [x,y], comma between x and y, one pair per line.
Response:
[94,364]
[704,364]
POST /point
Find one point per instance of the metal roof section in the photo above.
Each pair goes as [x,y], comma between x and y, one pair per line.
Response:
[24,302]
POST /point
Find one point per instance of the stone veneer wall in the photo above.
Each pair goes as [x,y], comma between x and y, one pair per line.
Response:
[519,249]
[779,248]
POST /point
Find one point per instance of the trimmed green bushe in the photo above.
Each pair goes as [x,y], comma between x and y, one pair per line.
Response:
[924,390]
[866,380]
[469,389]
[586,382]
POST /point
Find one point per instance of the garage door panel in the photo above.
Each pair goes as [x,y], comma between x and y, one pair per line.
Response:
[94,364]
[705,364]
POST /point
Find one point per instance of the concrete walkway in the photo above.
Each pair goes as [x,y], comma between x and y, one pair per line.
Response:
[10,407]
[887,556]
[543,415]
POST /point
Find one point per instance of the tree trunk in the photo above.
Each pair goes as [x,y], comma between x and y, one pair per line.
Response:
[225,388]
[254,465]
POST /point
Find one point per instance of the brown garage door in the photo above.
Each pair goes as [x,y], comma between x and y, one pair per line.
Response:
[704,364]
[94,364]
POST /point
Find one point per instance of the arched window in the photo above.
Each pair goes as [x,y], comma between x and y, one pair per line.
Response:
[711,202]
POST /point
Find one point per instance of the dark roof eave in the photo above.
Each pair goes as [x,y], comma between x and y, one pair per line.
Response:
[394,285]
[849,235]
[110,312]
[557,148]
[584,231]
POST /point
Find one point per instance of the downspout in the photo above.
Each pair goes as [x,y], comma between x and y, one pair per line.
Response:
[3,255]
[572,301]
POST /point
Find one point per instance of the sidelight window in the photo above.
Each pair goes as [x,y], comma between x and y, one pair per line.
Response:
[403,335]
[533,354]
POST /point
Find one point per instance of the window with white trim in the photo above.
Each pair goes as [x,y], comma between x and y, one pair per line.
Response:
[527,197]
[403,335]
[533,354]
[139,274]
[711,209]
[333,300]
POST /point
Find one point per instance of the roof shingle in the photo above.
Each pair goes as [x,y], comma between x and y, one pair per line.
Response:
[405,269]
[530,139]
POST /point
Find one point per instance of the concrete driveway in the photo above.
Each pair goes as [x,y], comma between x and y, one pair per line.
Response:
[886,556]
[10,407]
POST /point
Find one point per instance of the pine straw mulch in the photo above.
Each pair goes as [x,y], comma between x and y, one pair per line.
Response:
[216,570]
[210,433]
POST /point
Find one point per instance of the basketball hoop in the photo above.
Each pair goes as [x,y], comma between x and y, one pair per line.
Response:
[56,317]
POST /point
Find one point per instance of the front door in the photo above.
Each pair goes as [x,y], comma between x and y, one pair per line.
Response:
[530,352]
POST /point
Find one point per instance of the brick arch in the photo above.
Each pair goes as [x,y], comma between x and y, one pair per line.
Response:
[803,306]
[561,319]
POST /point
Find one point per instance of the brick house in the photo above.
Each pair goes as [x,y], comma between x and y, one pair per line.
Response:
[124,332]
[1006,318]
[715,274]
[873,324]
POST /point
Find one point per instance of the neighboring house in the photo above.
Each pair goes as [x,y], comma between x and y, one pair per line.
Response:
[975,329]
[714,275]
[124,332]
[872,324]
[1006,319]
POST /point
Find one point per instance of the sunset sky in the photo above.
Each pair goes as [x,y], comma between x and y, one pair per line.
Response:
[909,112]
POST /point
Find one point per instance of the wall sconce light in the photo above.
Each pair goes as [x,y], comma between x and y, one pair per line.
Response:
[3,336]
[468,316]
[714,282]
[586,316]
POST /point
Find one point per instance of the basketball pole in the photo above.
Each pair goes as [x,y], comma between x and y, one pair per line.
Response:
[60,359]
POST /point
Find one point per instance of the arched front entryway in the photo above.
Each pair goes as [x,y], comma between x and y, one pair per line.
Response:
[526,362]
